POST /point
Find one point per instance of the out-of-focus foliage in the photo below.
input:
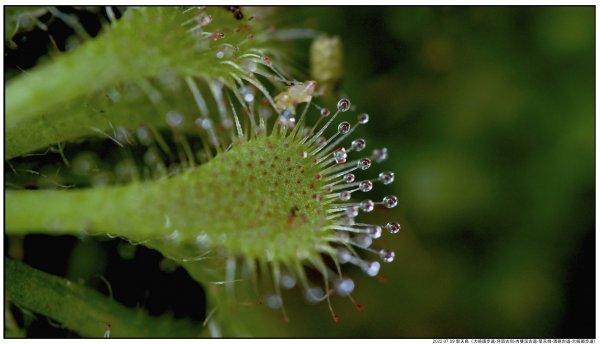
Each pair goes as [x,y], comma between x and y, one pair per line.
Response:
[488,114]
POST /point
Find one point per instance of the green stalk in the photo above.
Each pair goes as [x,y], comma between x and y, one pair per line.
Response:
[87,211]
[86,311]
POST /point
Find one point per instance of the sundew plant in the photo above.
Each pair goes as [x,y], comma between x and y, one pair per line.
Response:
[216,136]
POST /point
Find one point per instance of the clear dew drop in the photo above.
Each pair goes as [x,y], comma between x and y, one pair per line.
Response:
[143,135]
[273,301]
[248,97]
[372,268]
[365,186]
[345,195]
[380,155]
[349,221]
[287,281]
[314,294]
[386,177]
[375,232]
[359,144]
[393,227]
[247,94]
[344,287]
[363,240]
[390,201]
[349,178]
[325,112]
[343,255]
[343,127]
[352,211]
[343,104]
[204,123]
[367,206]
[363,118]
[340,155]
[364,164]
[174,119]
[387,256]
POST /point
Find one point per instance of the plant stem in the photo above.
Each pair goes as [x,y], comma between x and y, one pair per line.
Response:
[86,211]
[86,311]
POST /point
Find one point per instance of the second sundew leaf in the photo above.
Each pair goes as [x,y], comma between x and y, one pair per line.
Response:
[147,42]
[122,106]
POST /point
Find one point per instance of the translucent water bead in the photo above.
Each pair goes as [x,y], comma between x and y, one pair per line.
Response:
[344,286]
[340,155]
[363,118]
[375,232]
[349,178]
[386,177]
[390,201]
[372,268]
[343,127]
[387,256]
[365,186]
[367,206]
[364,164]
[393,227]
[359,144]
[345,195]
[343,105]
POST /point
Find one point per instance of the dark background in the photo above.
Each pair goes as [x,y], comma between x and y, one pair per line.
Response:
[488,115]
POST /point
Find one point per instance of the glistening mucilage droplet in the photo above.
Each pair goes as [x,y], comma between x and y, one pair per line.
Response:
[343,105]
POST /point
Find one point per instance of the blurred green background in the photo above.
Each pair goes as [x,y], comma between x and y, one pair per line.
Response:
[488,115]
